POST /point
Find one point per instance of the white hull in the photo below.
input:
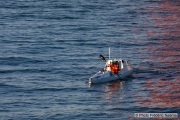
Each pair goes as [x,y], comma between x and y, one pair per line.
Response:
[107,76]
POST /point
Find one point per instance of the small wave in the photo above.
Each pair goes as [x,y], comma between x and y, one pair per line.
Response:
[18,60]
[3,85]
[54,89]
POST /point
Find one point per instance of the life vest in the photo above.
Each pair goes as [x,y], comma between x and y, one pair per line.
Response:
[114,68]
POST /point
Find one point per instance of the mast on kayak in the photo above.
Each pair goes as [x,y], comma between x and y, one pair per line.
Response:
[109,53]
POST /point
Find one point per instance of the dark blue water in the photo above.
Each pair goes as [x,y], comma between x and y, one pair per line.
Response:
[48,49]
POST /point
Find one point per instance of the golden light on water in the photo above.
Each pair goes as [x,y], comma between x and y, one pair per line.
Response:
[163,89]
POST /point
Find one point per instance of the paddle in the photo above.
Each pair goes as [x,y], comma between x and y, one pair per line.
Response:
[102,58]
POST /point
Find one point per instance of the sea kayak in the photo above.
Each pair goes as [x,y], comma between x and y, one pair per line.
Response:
[114,69]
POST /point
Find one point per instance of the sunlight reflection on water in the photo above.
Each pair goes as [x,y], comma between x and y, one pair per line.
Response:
[163,87]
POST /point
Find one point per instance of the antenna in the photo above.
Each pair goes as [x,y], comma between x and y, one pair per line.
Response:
[109,53]
[120,50]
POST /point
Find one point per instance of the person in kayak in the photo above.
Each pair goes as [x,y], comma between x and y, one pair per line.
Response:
[114,67]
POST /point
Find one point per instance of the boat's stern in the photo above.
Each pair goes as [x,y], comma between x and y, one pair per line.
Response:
[129,66]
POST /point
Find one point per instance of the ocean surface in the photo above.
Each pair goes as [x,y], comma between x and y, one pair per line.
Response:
[50,48]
